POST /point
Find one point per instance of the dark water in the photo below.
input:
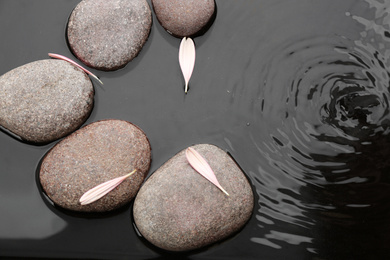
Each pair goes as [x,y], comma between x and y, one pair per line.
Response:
[296,91]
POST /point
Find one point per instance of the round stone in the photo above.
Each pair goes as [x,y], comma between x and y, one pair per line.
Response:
[177,209]
[184,18]
[96,153]
[107,35]
[45,100]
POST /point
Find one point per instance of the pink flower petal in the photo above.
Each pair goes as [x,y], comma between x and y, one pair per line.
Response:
[57,56]
[201,166]
[102,189]
[187,59]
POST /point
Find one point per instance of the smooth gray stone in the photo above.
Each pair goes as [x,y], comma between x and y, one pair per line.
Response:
[45,100]
[96,153]
[184,18]
[177,209]
[107,35]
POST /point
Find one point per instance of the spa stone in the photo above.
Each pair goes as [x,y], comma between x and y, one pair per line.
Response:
[184,18]
[177,209]
[96,153]
[45,100]
[106,35]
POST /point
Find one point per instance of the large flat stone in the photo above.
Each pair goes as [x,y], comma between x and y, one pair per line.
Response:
[96,153]
[177,209]
[107,35]
[45,100]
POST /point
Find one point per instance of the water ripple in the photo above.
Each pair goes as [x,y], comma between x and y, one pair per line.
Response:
[322,134]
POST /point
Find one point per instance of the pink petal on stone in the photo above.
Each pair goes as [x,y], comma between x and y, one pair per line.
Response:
[201,166]
[58,56]
[102,189]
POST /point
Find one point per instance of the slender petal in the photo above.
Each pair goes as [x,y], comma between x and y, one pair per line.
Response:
[57,56]
[102,189]
[187,59]
[200,165]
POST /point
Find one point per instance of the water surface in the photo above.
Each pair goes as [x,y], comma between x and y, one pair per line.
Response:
[296,91]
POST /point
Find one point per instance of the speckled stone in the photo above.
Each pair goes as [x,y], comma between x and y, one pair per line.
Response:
[184,18]
[177,209]
[106,35]
[45,100]
[96,153]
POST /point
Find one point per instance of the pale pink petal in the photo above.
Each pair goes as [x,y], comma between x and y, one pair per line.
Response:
[102,189]
[57,56]
[187,59]
[201,166]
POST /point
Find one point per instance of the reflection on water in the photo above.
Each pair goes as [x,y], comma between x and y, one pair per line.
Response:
[26,217]
[322,137]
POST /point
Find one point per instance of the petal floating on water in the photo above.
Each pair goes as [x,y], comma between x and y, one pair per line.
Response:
[187,59]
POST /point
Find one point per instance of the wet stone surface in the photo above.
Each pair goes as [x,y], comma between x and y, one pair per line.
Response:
[96,153]
[177,209]
[107,35]
[45,100]
[184,18]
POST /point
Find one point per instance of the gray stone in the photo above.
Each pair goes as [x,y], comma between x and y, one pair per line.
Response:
[106,35]
[177,209]
[96,153]
[184,18]
[45,100]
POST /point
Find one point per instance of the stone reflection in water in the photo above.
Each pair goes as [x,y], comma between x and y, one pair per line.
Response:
[326,142]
